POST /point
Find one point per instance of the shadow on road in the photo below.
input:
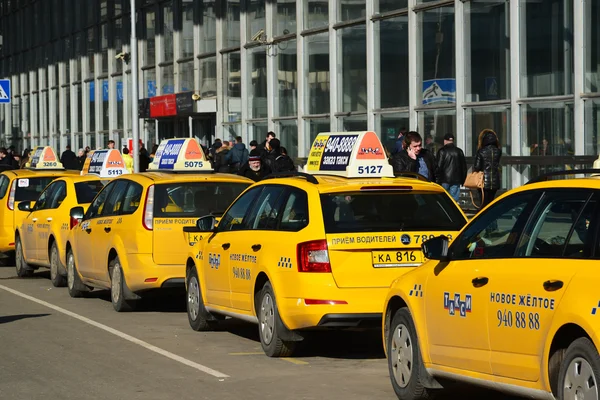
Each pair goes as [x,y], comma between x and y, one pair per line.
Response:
[11,318]
[160,301]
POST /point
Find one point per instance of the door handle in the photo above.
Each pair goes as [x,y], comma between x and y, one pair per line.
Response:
[480,281]
[34,219]
[49,219]
[256,247]
[225,246]
[551,286]
[89,230]
[106,229]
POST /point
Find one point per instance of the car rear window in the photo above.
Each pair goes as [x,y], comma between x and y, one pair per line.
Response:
[86,191]
[29,189]
[390,211]
[195,198]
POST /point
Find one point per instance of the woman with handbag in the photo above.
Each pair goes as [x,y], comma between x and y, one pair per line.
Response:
[487,160]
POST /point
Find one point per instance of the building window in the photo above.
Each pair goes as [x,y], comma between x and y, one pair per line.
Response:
[168,85]
[257,101]
[118,35]
[353,68]
[91,106]
[316,126]
[150,32]
[592,127]
[391,5]
[231,36]
[258,132]
[391,125]
[91,50]
[288,136]
[232,75]
[287,76]
[167,14]
[105,107]
[187,28]
[149,82]
[208,28]
[318,73]
[286,17]
[231,131]
[104,47]
[548,129]
[354,123]
[256,16]
[393,62]
[496,118]
[547,48]
[433,125]
[186,71]
[208,77]
[592,47]
[120,104]
[351,9]
[488,51]
[317,14]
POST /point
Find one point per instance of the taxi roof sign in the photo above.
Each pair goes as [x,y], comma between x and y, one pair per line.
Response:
[348,154]
[182,155]
[107,163]
[44,157]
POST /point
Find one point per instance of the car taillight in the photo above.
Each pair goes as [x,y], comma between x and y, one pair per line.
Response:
[73,222]
[313,256]
[149,209]
[11,196]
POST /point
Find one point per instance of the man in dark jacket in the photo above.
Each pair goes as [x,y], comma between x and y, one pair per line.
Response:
[254,169]
[398,146]
[237,156]
[451,170]
[68,158]
[414,158]
[276,160]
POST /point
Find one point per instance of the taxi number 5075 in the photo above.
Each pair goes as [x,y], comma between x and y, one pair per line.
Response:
[193,164]
[370,169]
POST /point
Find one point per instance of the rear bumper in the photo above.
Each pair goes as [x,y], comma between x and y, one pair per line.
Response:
[141,267]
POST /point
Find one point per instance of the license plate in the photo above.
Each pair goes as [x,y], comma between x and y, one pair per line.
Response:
[400,258]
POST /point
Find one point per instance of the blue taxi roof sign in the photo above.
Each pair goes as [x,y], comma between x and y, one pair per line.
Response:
[44,158]
[348,154]
[106,163]
[180,154]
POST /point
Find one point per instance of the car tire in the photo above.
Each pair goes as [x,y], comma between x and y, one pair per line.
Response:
[198,317]
[268,322]
[579,370]
[117,288]
[56,267]
[24,270]
[75,287]
[404,358]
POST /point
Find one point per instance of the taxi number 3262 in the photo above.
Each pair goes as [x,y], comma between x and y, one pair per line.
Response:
[519,319]
[193,164]
[370,169]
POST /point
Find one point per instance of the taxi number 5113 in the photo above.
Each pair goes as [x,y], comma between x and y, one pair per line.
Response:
[193,164]
[519,319]
[370,169]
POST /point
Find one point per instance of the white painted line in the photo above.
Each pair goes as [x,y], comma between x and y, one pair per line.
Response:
[122,335]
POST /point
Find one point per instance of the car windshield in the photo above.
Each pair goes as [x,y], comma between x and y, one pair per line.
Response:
[86,191]
[29,189]
[194,198]
[390,211]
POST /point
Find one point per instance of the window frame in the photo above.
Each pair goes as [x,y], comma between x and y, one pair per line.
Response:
[119,199]
[88,214]
[257,190]
[48,192]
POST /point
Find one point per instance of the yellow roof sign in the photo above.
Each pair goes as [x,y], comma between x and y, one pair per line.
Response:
[44,158]
[348,154]
[179,155]
[107,163]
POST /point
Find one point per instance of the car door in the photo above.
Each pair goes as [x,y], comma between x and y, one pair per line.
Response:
[456,292]
[555,245]
[45,217]
[31,224]
[231,228]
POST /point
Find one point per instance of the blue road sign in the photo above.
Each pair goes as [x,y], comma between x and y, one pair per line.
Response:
[5,91]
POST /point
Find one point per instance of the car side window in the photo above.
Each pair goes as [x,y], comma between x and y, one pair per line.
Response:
[496,232]
[4,183]
[233,219]
[294,216]
[97,205]
[559,226]
[265,214]
[114,200]
[44,201]
[59,194]
[132,199]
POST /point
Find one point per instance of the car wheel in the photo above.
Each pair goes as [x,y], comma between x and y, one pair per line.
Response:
[268,320]
[56,268]
[24,270]
[404,358]
[117,288]
[579,371]
[74,285]
[198,316]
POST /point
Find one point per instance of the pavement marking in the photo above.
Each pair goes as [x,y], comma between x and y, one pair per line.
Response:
[122,335]
[295,361]
[247,354]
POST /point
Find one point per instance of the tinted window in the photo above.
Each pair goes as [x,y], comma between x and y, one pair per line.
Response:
[295,212]
[233,219]
[29,189]
[59,194]
[495,233]
[115,198]
[4,181]
[44,201]
[390,211]
[132,199]
[265,213]
[195,198]
[98,204]
[86,191]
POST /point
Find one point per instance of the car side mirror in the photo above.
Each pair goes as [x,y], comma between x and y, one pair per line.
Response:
[436,248]
[24,206]
[206,224]
[76,213]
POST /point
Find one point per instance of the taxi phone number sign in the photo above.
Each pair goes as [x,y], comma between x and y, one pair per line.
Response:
[333,152]
[169,154]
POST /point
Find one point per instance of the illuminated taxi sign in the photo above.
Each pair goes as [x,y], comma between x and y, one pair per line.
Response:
[348,154]
[44,158]
[180,155]
[106,163]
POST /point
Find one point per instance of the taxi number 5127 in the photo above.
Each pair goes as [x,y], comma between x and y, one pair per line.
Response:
[193,164]
[370,169]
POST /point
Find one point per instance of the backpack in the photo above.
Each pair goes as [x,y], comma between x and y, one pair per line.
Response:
[283,163]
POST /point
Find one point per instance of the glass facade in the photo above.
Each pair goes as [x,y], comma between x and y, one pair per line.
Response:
[528,69]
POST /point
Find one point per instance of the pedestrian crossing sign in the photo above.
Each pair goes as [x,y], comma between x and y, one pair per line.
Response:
[5,91]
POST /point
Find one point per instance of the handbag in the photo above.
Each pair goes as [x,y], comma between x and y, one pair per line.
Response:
[475,181]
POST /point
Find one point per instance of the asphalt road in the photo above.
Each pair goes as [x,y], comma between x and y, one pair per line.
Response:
[56,347]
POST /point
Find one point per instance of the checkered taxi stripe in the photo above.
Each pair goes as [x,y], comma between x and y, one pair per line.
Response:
[285,262]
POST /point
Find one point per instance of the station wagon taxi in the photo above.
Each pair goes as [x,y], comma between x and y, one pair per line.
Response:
[511,304]
[129,239]
[41,238]
[25,185]
[317,249]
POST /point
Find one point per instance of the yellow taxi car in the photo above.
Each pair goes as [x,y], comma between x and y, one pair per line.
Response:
[129,240]
[316,249]
[25,185]
[41,238]
[510,304]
